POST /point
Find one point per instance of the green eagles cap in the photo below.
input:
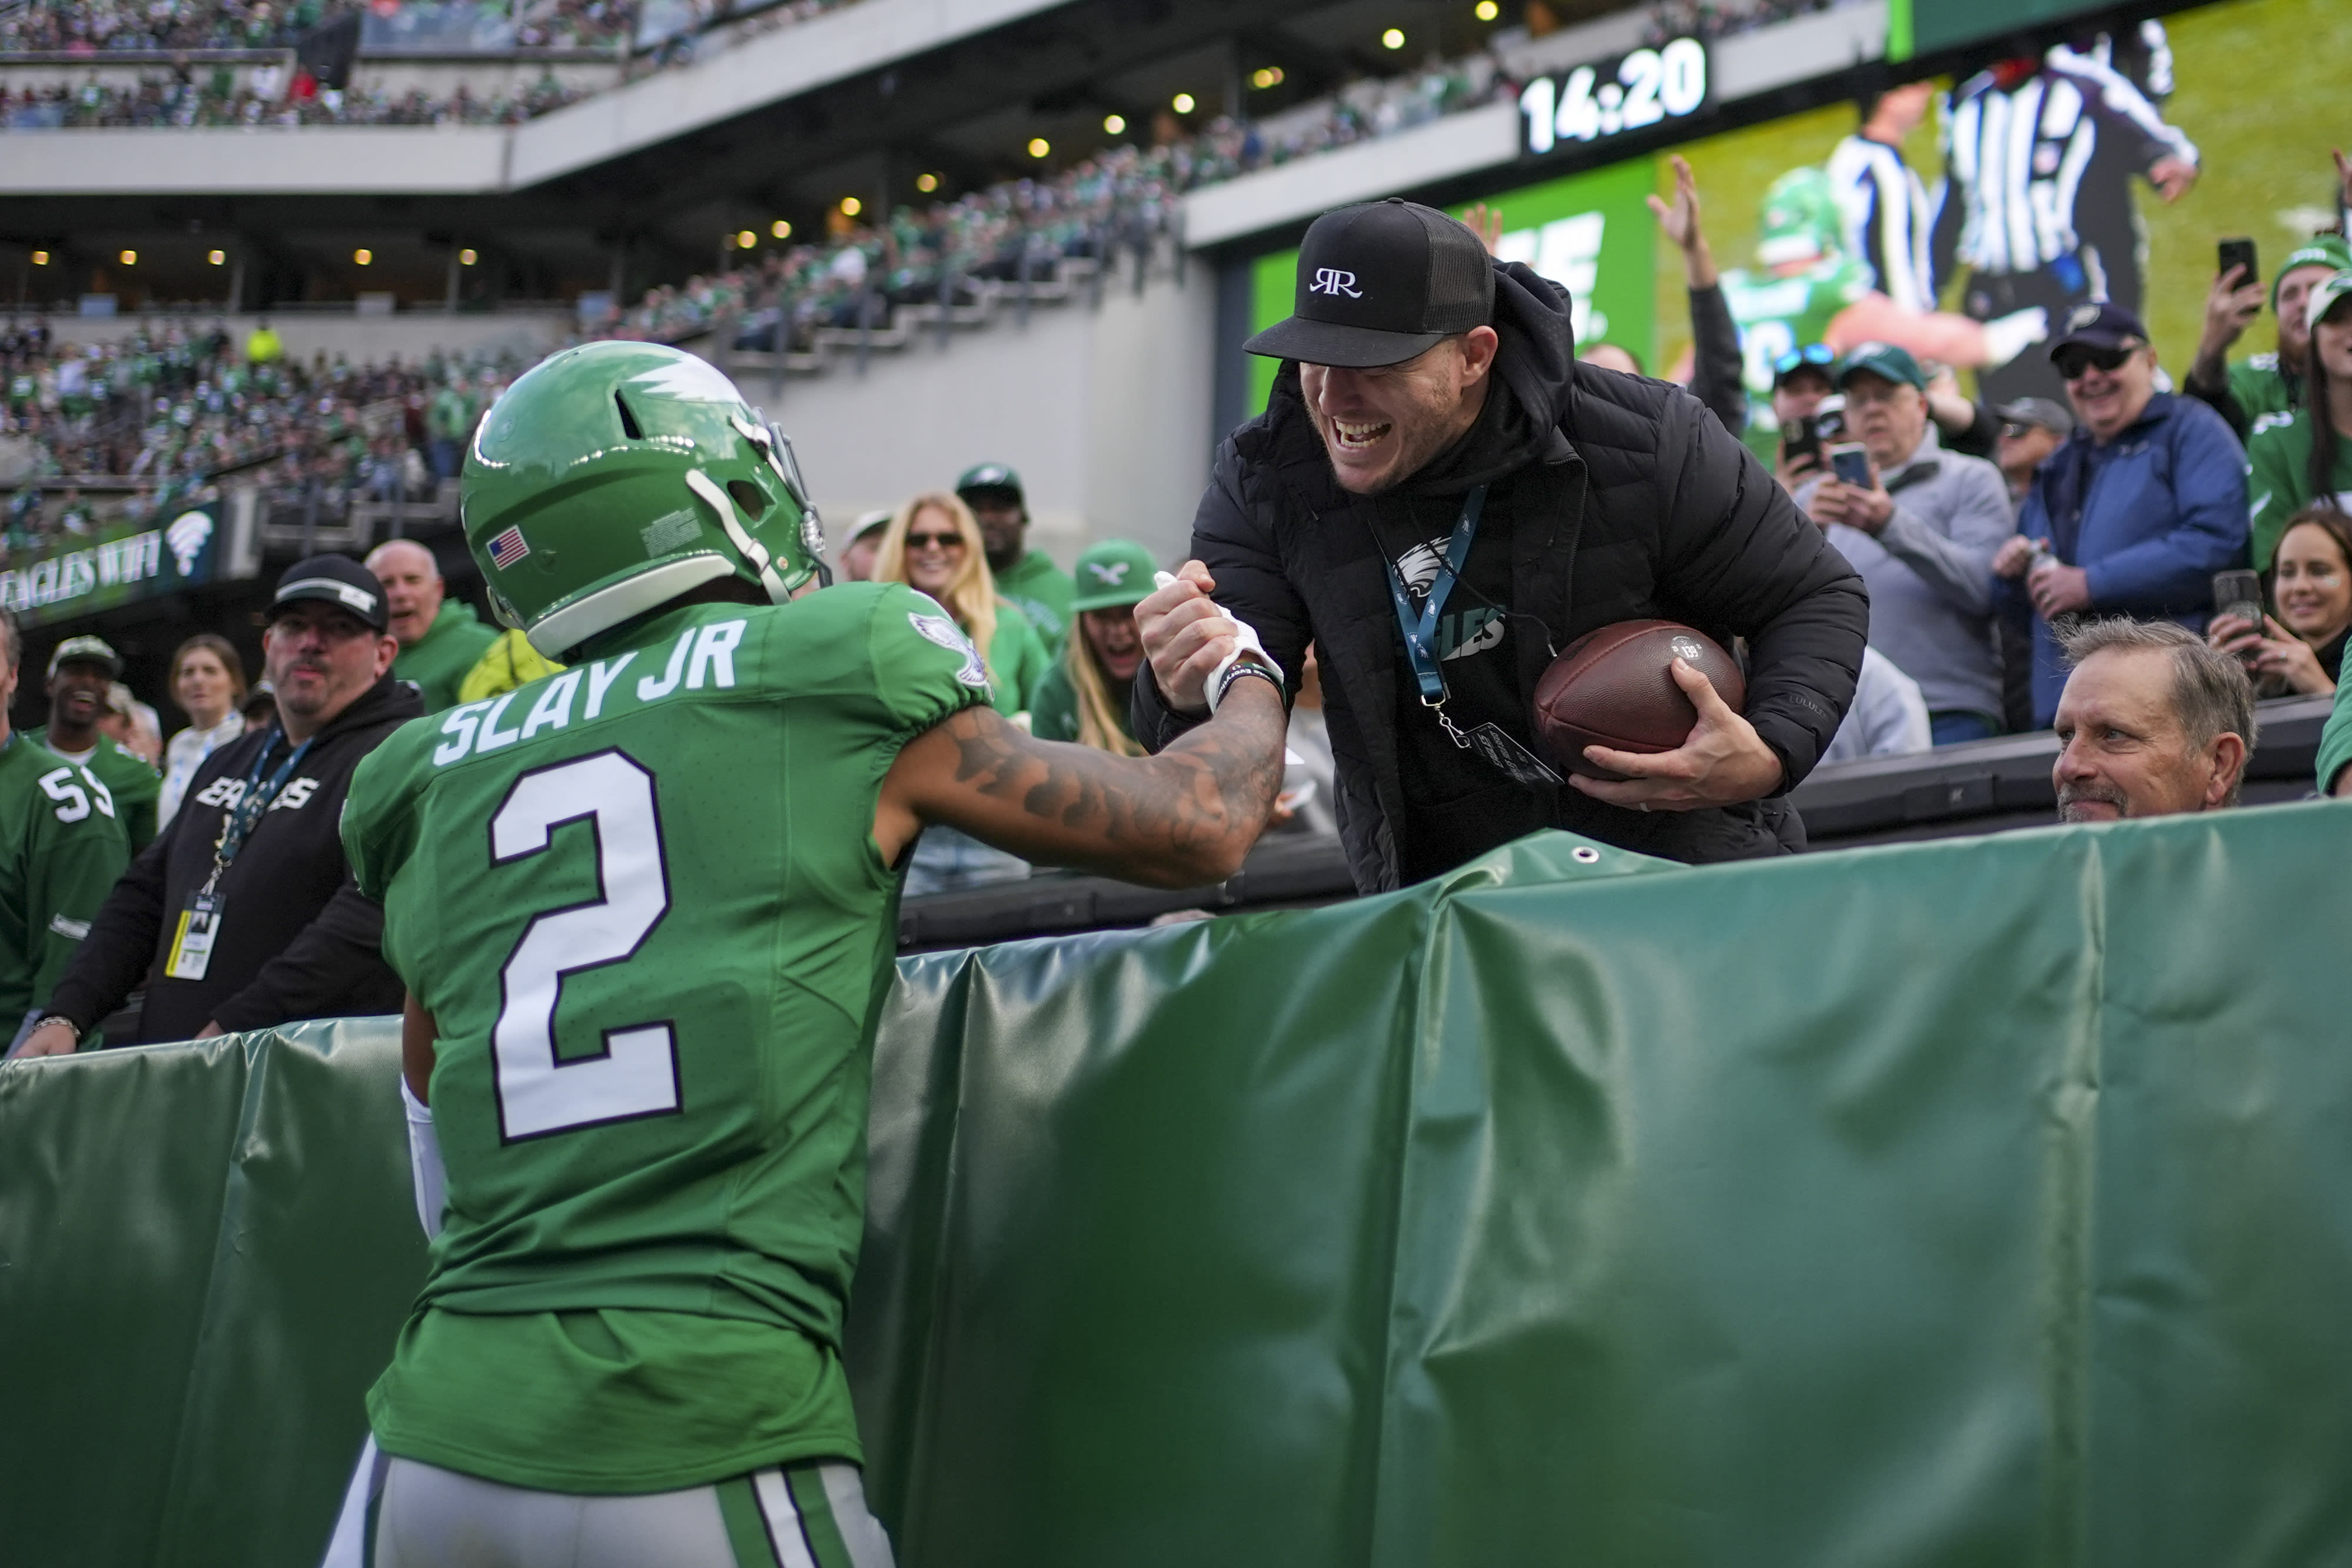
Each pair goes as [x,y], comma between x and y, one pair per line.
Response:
[2316,305]
[1112,573]
[989,477]
[613,477]
[2321,250]
[1885,361]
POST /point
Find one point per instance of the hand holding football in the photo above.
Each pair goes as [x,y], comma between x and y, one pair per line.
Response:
[1615,687]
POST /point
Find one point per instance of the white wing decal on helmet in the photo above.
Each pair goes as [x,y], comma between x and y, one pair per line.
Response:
[688,379]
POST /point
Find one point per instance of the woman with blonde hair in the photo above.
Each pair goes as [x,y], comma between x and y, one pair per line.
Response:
[208,684]
[934,546]
[1084,697]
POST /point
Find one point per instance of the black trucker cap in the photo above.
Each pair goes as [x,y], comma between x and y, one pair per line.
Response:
[1379,283]
[337,580]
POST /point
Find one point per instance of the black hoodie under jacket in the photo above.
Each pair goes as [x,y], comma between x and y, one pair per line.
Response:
[1620,498]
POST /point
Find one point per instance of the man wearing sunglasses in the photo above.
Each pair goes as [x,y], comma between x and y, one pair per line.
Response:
[2136,512]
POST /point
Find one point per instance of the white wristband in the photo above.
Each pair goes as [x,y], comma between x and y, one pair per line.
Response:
[1247,647]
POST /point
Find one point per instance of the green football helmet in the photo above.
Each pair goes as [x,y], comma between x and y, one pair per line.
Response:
[1800,220]
[612,478]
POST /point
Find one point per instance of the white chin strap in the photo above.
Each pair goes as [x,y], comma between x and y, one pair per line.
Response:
[753,550]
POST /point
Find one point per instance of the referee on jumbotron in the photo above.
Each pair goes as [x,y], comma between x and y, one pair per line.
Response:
[1434,453]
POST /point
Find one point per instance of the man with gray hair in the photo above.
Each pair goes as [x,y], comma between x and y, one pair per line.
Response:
[2152,722]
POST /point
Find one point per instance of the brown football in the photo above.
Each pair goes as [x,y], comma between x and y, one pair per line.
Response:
[1612,688]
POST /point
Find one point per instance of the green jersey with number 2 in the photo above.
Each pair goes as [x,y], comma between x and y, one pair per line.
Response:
[642,901]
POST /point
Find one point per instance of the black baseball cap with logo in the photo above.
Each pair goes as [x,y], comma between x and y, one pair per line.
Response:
[989,477]
[1379,283]
[336,580]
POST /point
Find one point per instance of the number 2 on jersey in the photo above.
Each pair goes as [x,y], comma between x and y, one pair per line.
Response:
[637,1072]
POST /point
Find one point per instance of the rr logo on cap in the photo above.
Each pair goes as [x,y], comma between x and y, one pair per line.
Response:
[2082,316]
[1331,280]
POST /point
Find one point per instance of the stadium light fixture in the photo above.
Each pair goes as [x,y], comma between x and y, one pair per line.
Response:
[1265,77]
[362,255]
[216,258]
[1039,146]
[40,258]
[927,184]
[781,229]
[1393,38]
[1114,124]
[1486,10]
[1182,103]
[746,240]
[851,206]
[129,259]
[466,258]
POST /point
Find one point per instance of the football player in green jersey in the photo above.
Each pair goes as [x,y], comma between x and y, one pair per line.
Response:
[1807,289]
[645,910]
[61,847]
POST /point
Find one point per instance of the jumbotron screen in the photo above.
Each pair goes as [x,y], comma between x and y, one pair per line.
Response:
[2222,89]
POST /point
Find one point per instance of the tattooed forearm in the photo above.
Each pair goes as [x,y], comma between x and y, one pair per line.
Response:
[1184,818]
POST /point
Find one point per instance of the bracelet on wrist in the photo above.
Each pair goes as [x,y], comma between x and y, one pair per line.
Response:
[1241,669]
[45,1019]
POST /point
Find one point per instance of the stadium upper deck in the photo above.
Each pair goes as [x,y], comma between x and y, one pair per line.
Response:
[782,122]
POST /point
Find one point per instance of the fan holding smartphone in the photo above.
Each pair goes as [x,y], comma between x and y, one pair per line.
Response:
[2300,650]
[1921,525]
[2267,383]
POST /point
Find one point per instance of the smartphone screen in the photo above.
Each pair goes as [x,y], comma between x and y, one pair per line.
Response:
[2238,592]
[2239,253]
[1850,464]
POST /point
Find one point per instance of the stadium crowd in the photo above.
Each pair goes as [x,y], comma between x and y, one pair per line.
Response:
[94,27]
[1996,538]
[178,99]
[1363,110]
[178,407]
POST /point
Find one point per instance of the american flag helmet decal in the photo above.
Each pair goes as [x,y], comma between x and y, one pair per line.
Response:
[508,548]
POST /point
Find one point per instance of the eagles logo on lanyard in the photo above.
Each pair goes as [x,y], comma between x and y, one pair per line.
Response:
[1487,741]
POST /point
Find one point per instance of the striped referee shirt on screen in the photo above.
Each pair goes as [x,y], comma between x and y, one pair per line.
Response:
[2018,156]
[1886,218]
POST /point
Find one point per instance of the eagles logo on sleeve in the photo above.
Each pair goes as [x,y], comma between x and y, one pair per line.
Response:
[943,631]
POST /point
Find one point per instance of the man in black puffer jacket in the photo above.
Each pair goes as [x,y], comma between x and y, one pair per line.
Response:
[1599,498]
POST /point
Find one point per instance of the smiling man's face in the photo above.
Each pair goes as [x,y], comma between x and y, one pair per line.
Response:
[2107,401]
[2123,750]
[77,696]
[1383,425]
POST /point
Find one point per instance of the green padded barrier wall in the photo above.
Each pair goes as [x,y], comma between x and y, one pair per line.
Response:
[1975,1202]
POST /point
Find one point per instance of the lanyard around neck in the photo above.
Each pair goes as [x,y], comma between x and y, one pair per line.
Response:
[1420,631]
[246,813]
